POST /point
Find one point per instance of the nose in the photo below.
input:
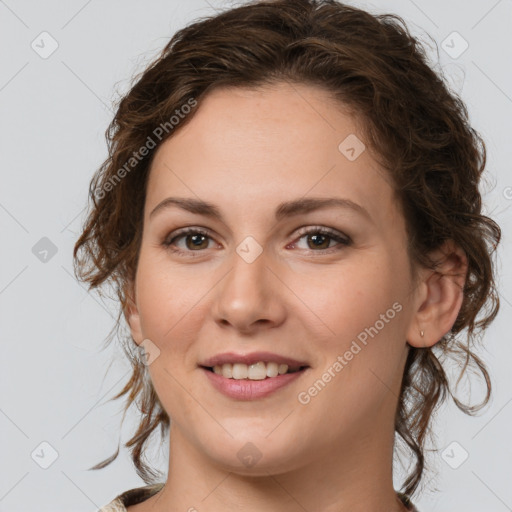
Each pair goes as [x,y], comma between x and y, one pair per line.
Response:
[250,297]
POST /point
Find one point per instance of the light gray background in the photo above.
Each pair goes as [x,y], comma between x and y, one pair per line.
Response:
[54,112]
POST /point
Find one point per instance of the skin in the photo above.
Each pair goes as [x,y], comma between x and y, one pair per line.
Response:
[246,151]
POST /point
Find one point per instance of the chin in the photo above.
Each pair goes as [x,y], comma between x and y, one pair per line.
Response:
[259,457]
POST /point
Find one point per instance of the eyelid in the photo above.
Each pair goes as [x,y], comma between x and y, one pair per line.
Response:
[324,230]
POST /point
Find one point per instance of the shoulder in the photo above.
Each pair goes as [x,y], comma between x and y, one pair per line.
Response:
[131,497]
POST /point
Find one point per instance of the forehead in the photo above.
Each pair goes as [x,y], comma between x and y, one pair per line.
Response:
[274,143]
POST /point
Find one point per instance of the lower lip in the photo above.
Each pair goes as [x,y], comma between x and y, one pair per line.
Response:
[244,389]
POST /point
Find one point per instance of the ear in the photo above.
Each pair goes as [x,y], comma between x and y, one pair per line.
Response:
[439,298]
[131,313]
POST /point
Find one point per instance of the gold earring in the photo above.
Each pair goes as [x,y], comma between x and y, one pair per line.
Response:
[421,333]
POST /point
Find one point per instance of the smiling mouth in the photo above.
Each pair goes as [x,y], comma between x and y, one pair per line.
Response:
[258,371]
[257,381]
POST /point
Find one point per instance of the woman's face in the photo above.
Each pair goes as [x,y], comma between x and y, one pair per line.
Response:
[267,278]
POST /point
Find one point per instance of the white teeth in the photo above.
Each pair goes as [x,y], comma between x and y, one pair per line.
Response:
[240,371]
[256,371]
[283,368]
[272,369]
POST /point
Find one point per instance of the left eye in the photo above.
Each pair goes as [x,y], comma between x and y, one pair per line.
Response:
[319,236]
[321,240]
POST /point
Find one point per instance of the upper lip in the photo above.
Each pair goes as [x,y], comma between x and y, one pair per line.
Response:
[248,359]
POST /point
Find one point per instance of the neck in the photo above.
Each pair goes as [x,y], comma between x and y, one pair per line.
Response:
[355,477]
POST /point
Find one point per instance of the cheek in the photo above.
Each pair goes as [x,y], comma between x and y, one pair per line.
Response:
[351,297]
[169,306]
[172,306]
[155,295]
[163,293]
[364,307]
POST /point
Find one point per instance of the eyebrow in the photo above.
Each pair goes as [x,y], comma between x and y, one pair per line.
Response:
[286,209]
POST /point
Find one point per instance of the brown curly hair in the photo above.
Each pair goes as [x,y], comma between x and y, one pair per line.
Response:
[417,127]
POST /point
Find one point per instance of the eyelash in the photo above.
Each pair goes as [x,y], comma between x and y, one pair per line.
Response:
[343,241]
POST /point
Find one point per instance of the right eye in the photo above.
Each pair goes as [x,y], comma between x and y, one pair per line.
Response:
[198,240]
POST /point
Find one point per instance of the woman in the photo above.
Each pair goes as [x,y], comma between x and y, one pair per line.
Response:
[291,217]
